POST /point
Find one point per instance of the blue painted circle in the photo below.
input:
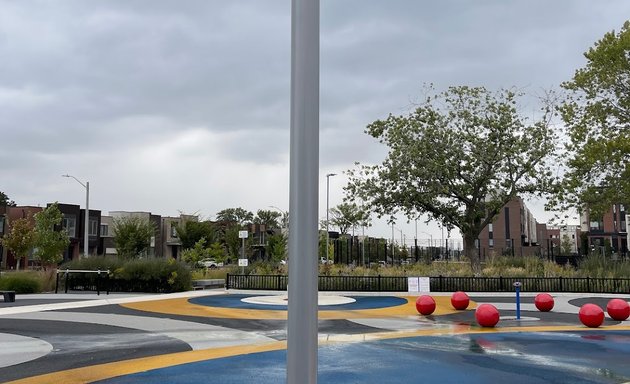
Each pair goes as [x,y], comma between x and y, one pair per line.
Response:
[361,302]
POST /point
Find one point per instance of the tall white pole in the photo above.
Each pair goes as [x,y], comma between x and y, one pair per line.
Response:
[327,211]
[303,193]
[86,235]
[86,224]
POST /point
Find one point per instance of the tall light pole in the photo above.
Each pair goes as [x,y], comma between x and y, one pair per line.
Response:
[303,192]
[328,210]
[86,237]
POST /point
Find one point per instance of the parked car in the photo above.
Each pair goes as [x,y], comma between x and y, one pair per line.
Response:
[322,260]
[210,263]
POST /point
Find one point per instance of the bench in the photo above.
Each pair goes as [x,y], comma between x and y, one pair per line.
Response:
[9,296]
[208,283]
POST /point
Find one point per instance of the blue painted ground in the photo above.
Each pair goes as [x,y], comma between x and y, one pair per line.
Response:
[549,357]
[362,302]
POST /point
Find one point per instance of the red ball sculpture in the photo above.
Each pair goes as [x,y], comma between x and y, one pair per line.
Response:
[425,305]
[487,315]
[544,302]
[591,315]
[460,300]
[618,309]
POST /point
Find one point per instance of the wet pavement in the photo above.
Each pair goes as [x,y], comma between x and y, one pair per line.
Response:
[230,337]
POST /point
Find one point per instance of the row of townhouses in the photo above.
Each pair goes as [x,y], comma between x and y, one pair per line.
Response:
[516,231]
[164,242]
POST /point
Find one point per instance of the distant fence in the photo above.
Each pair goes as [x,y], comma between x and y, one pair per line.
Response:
[437,284]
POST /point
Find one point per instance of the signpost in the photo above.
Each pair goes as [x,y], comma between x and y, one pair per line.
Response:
[242,262]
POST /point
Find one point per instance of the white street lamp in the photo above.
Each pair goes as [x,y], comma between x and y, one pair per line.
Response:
[86,225]
[327,211]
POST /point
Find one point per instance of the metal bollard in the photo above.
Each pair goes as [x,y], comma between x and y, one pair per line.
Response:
[517,286]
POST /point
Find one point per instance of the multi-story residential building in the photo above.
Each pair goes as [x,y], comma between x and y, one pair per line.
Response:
[514,231]
[3,230]
[171,244]
[73,223]
[106,245]
[609,229]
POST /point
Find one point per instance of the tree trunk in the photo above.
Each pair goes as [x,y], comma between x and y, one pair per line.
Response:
[472,253]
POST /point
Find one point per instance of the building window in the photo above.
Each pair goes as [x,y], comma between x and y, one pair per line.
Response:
[2,224]
[104,230]
[490,243]
[69,224]
[93,230]
[173,230]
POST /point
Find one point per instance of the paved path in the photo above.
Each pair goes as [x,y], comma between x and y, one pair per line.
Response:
[240,337]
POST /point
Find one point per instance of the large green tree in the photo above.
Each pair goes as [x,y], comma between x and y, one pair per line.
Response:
[459,157]
[20,238]
[50,240]
[597,117]
[132,236]
[268,218]
[239,216]
[348,216]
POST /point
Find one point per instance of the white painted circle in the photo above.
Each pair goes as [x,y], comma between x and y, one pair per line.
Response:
[523,318]
[20,349]
[283,300]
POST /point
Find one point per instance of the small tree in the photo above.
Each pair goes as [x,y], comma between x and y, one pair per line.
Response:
[50,240]
[566,245]
[195,254]
[217,252]
[132,237]
[190,232]
[4,200]
[277,247]
[20,239]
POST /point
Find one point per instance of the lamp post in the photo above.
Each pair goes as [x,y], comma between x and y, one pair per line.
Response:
[86,224]
[327,211]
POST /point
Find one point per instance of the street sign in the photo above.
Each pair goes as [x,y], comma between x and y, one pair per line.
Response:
[243,262]
[243,234]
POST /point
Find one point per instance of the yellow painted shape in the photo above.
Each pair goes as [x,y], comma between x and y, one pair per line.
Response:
[183,307]
[128,367]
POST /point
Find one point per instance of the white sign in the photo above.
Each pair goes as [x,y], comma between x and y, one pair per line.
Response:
[424,284]
[418,284]
[242,234]
[412,284]
[243,262]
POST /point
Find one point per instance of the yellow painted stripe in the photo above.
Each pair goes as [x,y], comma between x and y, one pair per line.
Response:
[185,308]
[127,367]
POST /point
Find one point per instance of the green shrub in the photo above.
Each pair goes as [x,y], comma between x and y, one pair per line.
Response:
[20,282]
[139,275]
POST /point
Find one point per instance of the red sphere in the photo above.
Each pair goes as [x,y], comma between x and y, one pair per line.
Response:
[460,300]
[425,305]
[591,315]
[487,315]
[618,309]
[544,302]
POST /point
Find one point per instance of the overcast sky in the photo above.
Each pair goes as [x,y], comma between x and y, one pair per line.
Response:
[183,106]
